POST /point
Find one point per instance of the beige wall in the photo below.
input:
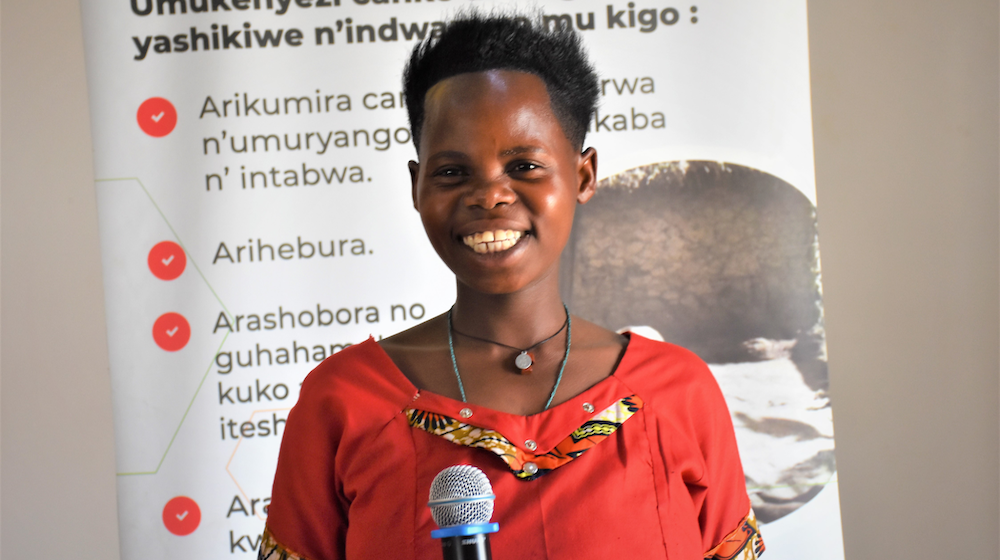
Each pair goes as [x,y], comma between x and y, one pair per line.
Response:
[905,112]
[57,491]
[906,104]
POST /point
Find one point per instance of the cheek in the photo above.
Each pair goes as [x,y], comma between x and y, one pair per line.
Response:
[558,210]
[435,215]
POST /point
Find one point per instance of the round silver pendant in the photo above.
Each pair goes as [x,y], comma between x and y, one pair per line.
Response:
[523,361]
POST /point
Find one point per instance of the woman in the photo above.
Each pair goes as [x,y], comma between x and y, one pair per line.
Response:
[596,443]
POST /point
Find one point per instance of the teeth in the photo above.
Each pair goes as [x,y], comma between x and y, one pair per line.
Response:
[492,241]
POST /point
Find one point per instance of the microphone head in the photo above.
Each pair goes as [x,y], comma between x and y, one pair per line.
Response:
[461,495]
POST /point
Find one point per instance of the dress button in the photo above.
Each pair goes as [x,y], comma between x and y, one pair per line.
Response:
[530,468]
[531,445]
[587,407]
[465,412]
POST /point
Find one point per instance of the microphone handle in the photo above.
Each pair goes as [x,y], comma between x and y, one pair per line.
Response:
[469,547]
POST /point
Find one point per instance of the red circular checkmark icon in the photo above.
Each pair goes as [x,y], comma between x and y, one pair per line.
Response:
[181,516]
[171,331]
[166,260]
[157,117]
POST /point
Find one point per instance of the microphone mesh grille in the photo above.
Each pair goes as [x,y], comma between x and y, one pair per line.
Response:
[461,495]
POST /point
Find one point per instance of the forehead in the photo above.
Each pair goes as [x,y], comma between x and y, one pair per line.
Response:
[499,103]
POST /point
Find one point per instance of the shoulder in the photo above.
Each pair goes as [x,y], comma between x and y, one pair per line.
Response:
[683,397]
[662,373]
[357,383]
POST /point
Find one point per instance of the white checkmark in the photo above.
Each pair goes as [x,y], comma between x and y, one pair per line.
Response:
[181,516]
[172,331]
[156,118]
[166,262]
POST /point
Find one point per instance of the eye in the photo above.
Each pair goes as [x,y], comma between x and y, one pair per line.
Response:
[449,172]
[523,167]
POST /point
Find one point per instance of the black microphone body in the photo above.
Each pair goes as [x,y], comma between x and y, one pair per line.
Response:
[466,542]
[472,547]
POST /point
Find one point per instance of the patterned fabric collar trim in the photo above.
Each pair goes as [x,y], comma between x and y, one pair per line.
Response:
[524,464]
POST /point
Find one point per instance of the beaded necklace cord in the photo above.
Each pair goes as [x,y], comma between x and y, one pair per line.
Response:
[562,367]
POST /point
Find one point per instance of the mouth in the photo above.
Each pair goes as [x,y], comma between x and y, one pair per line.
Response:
[496,241]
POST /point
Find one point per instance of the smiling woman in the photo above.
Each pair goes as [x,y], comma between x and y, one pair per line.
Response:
[496,159]
[597,444]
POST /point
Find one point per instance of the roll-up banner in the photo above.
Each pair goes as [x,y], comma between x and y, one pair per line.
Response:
[255,218]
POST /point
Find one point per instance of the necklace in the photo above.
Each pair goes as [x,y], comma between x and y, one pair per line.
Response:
[562,368]
[525,359]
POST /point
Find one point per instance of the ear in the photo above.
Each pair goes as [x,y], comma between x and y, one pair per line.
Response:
[587,174]
[414,173]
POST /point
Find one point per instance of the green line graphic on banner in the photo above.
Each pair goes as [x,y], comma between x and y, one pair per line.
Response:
[214,294]
[178,237]
[184,417]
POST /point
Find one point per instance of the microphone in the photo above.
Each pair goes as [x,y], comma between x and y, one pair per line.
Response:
[461,502]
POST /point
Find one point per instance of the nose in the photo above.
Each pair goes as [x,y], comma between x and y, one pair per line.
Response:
[488,193]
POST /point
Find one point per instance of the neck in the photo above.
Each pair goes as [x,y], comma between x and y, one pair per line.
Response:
[520,319]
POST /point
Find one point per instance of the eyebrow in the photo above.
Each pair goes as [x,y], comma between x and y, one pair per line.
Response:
[517,150]
[448,154]
[521,150]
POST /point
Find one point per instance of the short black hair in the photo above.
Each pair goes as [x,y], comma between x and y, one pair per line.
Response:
[478,42]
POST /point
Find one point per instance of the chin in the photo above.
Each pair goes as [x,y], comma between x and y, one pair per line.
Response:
[496,287]
[502,282]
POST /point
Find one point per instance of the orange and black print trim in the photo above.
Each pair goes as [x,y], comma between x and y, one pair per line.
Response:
[592,432]
[744,543]
[271,549]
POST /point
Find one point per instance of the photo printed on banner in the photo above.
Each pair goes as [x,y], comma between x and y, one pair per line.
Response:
[722,259]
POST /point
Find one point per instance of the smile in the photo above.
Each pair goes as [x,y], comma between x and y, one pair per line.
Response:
[492,241]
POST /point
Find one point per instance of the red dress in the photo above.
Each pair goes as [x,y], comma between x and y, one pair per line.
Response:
[642,465]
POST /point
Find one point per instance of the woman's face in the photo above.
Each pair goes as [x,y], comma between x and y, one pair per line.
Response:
[498,181]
